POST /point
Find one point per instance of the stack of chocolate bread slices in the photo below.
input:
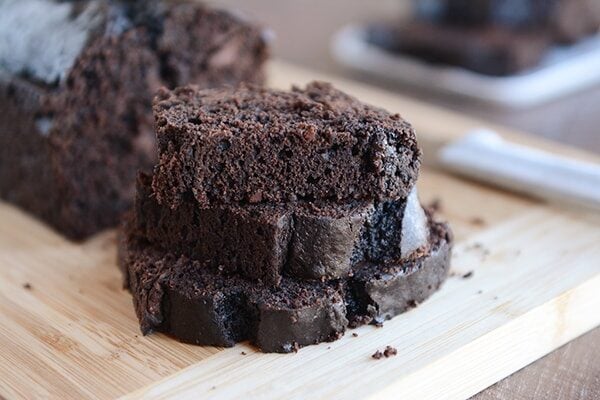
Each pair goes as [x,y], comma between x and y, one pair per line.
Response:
[278,217]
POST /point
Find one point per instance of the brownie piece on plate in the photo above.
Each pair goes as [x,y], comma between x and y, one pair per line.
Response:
[251,145]
[76,87]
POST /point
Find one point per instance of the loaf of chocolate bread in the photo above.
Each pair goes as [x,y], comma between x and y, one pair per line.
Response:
[199,305]
[278,217]
[266,241]
[76,86]
[251,145]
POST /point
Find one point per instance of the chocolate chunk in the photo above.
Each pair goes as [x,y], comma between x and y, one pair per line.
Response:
[326,246]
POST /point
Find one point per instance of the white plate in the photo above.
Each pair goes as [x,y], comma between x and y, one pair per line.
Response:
[563,70]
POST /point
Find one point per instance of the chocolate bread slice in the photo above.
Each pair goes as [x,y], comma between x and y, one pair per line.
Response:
[264,241]
[76,85]
[201,306]
[252,145]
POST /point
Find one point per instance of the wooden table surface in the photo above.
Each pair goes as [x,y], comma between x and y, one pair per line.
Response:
[303,29]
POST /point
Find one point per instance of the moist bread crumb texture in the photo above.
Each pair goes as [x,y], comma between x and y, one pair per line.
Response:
[282,218]
[256,145]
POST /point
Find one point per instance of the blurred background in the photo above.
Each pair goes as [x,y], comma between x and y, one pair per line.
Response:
[305,29]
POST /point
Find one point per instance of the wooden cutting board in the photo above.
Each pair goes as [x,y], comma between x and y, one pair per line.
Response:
[68,330]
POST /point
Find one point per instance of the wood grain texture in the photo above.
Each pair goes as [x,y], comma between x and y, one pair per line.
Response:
[577,361]
[518,305]
[68,330]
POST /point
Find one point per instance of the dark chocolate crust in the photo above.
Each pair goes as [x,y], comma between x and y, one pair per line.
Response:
[250,145]
[201,306]
[70,149]
[265,242]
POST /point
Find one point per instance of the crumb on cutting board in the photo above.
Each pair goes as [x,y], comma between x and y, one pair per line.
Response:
[435,204]
[477,221]
[388,352]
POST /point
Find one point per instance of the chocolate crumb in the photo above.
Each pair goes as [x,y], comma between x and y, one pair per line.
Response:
[354,334]
[435,205]
[243,353]
[477,221]
[27,286]
[378,322]
[390,351]
[328,347]
[468,275]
